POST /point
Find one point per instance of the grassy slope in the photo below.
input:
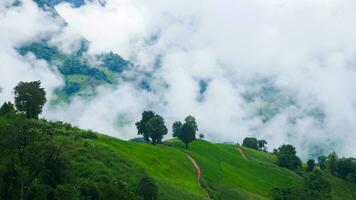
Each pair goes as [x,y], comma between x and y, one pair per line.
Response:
[124,161]
[225,174]
[171,168]
[224,169]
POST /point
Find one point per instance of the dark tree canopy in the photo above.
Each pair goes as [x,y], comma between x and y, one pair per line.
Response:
[322,162]
[33,160]
[262,145]
[141,125]
[286,157]
[151,127]
[176,127]
[310,165]
[7,108]
[333,163]
[347,169]
[250,142]
[316,187]
[185,132]
[156,129]
[286,194]
[147,189]
[190,121]
[30,98]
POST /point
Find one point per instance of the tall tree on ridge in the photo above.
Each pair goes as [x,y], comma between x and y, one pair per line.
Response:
[30,98]
[185,132]
[151,127]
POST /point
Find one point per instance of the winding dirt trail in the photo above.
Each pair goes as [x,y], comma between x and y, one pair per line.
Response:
[198,171]
[242,152]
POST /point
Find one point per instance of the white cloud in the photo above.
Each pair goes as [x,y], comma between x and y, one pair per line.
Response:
[18,25]
[305,48]
[112,27]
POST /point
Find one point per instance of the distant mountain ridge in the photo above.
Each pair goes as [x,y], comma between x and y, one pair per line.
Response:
[82,73]
[74,3]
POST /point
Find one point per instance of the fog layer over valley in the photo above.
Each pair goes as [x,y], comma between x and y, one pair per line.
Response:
[279,70]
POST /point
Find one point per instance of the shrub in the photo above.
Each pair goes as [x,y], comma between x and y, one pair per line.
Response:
[286,194]
[147,188]
[87,135]
[316,187]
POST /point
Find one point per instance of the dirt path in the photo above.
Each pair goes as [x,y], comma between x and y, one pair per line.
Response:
[198,171]
[242,152]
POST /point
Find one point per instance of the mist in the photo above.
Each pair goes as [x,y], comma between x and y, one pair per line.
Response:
[280,70]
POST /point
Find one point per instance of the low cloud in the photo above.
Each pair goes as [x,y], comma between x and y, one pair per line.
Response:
[19,25]
[281,70]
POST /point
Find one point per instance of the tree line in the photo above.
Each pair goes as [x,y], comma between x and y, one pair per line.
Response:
[315,184]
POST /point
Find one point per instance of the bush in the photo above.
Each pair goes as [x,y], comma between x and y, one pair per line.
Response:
[147,188]
[138,139]
[115,192]
[87,135]
[89,190]
[7,108]
[286,194]
[316,187]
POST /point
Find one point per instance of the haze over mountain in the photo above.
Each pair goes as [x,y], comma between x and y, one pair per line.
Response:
[280,70]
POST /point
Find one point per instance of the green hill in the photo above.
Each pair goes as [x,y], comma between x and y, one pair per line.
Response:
[99,159]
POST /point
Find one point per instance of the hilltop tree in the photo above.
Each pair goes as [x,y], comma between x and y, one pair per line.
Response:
[262,145]
[333,162]
[250,142]
[30,98]
[151,127]
[176,127]
[185,132]
[310,165]
[187,135]
[7,108]
[156,129]
[286,157]
[190,121]
[141,125]
[322,162]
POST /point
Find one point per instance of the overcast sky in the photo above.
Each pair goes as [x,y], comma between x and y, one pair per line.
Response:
[305,49]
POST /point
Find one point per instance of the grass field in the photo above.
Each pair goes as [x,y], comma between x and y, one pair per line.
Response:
[225,173]
[107,157]
[228,174]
